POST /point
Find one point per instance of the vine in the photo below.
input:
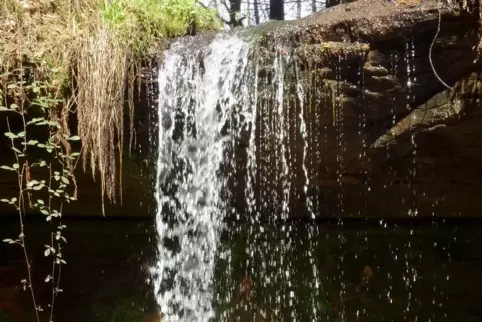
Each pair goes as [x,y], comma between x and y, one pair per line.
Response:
[44,169]
[431,48]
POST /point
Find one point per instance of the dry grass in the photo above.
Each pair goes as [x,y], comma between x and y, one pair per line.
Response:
[95,45]
[101,72]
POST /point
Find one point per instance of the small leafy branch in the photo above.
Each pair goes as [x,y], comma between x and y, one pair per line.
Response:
[44,170]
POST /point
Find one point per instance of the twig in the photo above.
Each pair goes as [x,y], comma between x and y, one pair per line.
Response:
[430,51]
[21,212]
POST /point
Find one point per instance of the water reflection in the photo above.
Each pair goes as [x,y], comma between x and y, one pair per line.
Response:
[104,279]
[362,274]
[344,272]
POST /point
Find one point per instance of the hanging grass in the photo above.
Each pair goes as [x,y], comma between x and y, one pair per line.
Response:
[88,52]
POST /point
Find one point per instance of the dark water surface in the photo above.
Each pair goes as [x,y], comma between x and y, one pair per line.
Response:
[364,272]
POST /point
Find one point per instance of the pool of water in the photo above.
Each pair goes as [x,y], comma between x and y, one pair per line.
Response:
[294,272]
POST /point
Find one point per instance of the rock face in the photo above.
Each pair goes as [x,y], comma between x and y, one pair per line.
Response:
[383,136]
[391,99]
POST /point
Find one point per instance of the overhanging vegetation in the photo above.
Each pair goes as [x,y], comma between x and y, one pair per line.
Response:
[87,52]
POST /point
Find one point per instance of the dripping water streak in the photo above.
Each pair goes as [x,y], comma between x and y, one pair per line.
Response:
[304,135]
[282,130]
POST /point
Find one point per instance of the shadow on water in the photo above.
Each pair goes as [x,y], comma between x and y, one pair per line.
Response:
[105,276]
[343,272]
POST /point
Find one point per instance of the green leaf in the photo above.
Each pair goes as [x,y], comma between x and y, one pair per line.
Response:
[40,186]
[32,142]
[40,202]
[11,201]
[14,106]
[21,134]
[10,241]
[75,154]
[16,166]
[5,167]
[41,103]
[47,252]
[53,123]
[16,150]
[74,138]
[31,183]
[11,135]
[35,120]
[45,212]
[3,109]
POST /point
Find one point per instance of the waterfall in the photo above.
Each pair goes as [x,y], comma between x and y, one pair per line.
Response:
[198,90]
[251,138]
[232,126]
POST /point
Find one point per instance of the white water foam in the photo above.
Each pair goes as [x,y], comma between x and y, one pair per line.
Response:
[197,90]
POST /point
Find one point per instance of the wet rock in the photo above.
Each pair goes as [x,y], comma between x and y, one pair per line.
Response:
[384,137]
[380,125]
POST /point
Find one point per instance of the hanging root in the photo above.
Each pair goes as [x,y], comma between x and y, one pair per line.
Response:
[101,74]
[430,51]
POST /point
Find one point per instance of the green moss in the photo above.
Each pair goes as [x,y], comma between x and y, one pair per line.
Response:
[144,21]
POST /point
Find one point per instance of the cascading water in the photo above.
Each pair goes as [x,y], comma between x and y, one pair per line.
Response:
[246,139]
[198,90]
[211,97]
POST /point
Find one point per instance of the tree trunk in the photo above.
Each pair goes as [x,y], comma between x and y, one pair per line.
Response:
[276,10]
[256,12]
[331,3]
[234,13]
